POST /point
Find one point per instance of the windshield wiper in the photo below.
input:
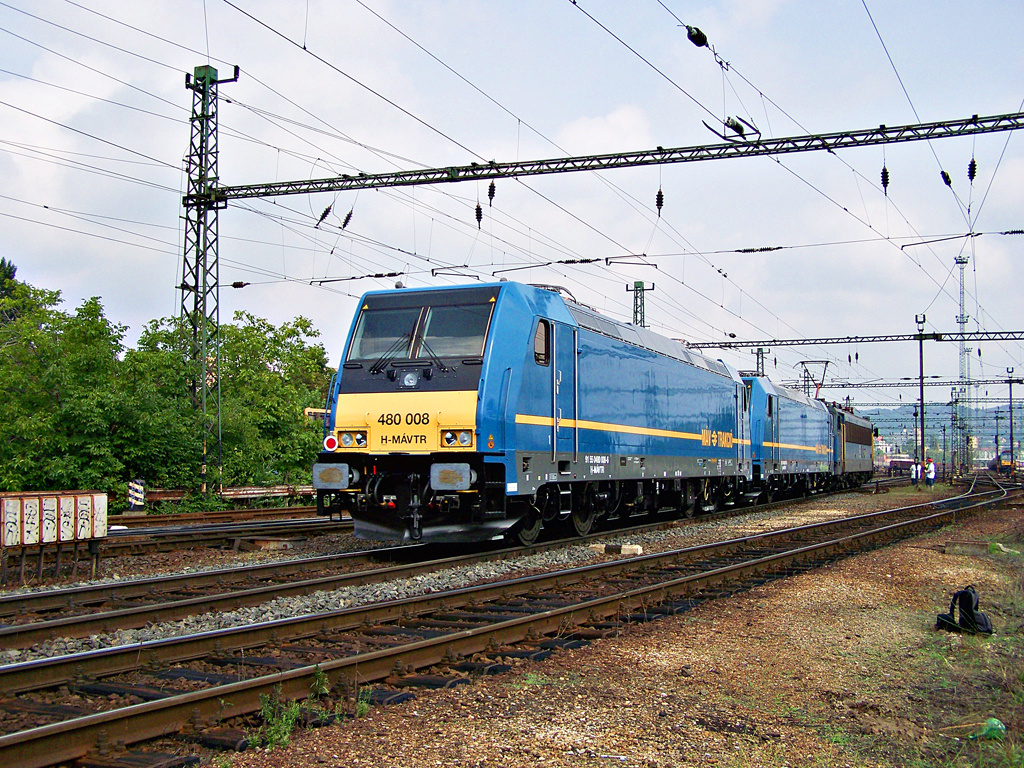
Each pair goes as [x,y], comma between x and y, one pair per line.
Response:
[433,358]
[378,366]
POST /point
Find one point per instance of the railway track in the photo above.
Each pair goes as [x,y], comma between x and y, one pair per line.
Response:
[217,529]
[133,535]
[30,618]
[189,685]
[167,537]
[211,517]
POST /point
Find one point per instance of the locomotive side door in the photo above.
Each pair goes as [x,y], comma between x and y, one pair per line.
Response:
[760,459]
[564,393]
[841,458]
[743,422]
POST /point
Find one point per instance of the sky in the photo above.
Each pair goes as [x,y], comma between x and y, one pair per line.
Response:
[94,132]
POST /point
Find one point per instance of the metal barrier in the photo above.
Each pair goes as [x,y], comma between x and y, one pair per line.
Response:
[153,495]
[46,522]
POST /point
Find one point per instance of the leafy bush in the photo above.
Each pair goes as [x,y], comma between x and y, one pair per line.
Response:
[79,410]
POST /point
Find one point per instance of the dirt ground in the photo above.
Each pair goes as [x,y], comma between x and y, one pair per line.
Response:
[837,667]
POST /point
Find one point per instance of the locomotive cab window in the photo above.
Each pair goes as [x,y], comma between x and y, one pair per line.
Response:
[454,331]
[542,343]
[381,331]
[420,332]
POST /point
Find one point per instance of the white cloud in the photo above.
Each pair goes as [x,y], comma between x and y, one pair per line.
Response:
[625,128]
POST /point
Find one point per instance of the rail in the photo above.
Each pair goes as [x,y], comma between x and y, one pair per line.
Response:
[655,580]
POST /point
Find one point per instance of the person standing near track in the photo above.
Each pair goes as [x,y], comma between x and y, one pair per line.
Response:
[915,472]
[929,473]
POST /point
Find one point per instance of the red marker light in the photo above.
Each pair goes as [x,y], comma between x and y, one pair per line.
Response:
[330,443]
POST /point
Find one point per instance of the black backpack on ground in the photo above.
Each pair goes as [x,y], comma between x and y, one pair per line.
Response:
[971,619]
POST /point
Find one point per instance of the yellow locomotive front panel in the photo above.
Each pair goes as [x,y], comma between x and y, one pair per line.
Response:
[406,422]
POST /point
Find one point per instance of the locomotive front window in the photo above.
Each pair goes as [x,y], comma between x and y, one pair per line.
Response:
[379,332]
[454,331]
[417,333]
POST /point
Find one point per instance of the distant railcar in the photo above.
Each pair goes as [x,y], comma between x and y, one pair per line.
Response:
[1001,462]
[854,460]
[900,466]
[476,412]
[792,439]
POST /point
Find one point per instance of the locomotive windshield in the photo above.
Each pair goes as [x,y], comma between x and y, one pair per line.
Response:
[380,330]
[419,332]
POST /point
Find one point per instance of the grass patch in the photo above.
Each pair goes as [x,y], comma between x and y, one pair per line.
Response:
[835,735]
[960,681]
[1006,754]
[280,720]
[774,754]
[532,678]
[363,703]
[911,492]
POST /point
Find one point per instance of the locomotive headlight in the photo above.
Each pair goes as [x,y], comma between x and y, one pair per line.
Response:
[360,439]
[465,438]
[449,438]
[346,440]
[410,379]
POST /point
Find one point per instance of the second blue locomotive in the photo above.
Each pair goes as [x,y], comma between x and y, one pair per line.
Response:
[472,413]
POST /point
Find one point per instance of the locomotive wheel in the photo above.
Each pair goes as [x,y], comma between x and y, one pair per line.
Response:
[528,531]
[710,499]
[581,519]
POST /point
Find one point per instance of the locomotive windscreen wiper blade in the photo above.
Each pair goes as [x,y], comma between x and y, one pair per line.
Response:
[378,366]
[433,358]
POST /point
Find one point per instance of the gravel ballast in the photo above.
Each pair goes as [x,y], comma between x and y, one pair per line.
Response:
[453,578]
[830,668]
[825,668]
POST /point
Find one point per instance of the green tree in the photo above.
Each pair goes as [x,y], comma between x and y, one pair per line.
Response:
[164,446]
[76,410]
[268,376]
[8,308]
[55,376]
[80,411]
[7,273]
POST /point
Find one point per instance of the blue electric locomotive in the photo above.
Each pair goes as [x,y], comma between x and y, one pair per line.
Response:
[793,439]
[468,413]
[477,412]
